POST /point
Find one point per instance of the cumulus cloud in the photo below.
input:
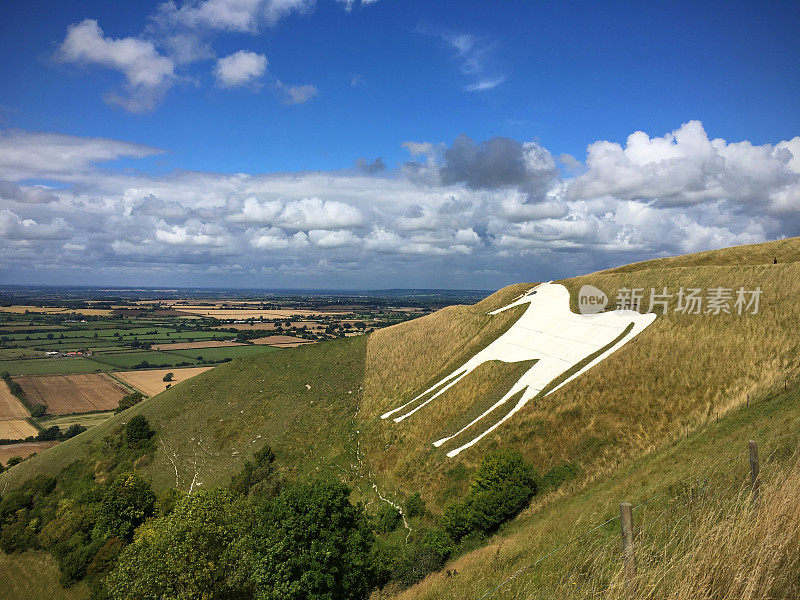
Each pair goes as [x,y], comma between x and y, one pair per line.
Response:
[148,75]
[492,212]
[686,168]
[240,69]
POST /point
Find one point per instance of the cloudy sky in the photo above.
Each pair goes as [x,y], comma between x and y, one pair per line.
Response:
[388,143]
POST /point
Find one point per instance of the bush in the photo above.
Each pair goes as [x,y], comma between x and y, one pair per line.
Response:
[415,506]
[257,477]
[388,519]
[128,401]
[74,430]
[38,410]
[169,377]
[50,434]
[126,503]
[14,460]
[502,486]
[138,430]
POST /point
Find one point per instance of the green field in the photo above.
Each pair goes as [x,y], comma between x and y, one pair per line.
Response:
[52,366]
[221,353]
[87,420]
[127,360]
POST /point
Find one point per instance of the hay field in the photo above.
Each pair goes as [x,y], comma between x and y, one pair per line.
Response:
[65,394]
[10,406]
[88,420]
[246,326]
[16,429]
[152,382]
[193,345]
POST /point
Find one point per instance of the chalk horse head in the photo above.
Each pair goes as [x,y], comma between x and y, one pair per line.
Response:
[563,344]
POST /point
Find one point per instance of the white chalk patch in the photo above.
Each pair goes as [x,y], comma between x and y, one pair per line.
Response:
[547,332]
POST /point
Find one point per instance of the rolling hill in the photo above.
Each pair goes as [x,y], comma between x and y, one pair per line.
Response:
[319,406]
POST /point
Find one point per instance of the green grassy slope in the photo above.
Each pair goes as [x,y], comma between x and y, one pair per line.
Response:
[209,425]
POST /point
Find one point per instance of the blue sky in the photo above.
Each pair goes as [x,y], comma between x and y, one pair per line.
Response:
[301,98]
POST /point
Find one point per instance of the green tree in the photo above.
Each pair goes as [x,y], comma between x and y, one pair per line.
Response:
[503,485]
[127,502]
[182,556]
[310,543]
[415,506]
[128,401]
[138,430]
[38,410]
[169,377]
[257,477]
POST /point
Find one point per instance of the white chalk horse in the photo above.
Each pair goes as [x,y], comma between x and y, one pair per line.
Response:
[547,332]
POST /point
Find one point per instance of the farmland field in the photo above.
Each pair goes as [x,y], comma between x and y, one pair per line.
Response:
[16,429]
[281,341]
[22,449]
[88,420]
[127,360]
[10,406]
[152,382]
[191,345]
[216,354]
[65,394]
[48,366]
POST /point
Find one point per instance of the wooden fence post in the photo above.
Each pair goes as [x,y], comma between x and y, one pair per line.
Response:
[755,481]
[628,553]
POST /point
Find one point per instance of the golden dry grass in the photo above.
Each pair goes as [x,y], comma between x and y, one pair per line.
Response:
[16,429]
[152,382]
[65,394]
[10,406]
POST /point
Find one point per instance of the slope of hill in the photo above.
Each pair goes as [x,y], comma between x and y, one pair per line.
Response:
[319,406]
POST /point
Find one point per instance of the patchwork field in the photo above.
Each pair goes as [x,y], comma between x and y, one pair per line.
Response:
[191,345]
[57,310]
[10,406]
[16,429]
[152,382]
[65,394]
[252,313]
[220,354]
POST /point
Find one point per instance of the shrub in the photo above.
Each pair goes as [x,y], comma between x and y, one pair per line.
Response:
[14,460]
[38,410]
[138,430]
[126,503]
[388,519]
[49,434]
[128,401]
[257,477]
[74,430]
[502,486]
[169,377]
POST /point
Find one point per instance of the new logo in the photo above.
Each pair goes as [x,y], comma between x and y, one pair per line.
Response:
[591,300]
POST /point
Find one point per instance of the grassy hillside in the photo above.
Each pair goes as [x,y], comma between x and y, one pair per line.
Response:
[319,406]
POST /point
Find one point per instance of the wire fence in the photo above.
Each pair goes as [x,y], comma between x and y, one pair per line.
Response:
[663,525]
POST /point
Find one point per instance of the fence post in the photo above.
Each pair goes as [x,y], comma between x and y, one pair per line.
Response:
[628,553]
[755,482]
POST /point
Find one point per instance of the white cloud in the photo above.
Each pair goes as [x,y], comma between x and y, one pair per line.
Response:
[148,74]
[685,168]
[240,69]
[295,94]
[333,239]
[28,154]
[244,16]
[499,213]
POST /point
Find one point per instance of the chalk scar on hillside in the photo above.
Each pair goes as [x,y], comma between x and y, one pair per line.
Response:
[549,333]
